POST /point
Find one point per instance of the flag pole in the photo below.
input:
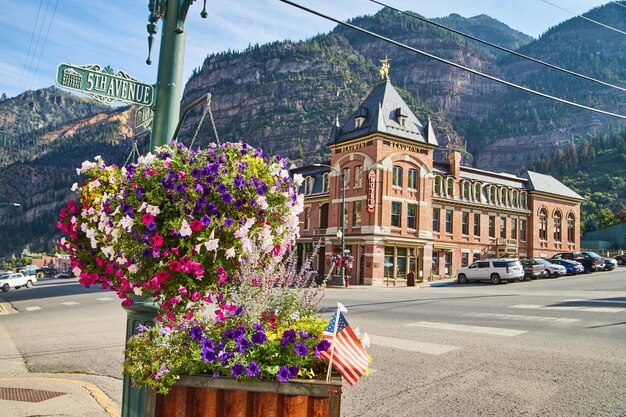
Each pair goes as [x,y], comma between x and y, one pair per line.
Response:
[332,346]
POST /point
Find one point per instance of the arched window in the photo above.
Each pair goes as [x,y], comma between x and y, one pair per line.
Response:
[465,190]
[543,224]
[515,199]
[478,192]
[397,176]
[311,184]
[557,226]
[571,228]
[437,187]
[524,200]
[450,187]
[358,176]
[492,194]
[325,182]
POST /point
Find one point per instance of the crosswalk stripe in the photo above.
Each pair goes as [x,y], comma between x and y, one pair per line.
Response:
[571,308]
[515,317]
[105,299]
[412,345]
[34,308]
[70,303]
[465,328]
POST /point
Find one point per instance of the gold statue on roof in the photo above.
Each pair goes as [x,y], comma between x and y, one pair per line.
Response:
[384,68]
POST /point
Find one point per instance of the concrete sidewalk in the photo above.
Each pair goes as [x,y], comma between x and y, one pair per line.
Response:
[24,394]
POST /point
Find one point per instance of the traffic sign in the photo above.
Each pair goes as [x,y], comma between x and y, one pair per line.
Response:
[104,85]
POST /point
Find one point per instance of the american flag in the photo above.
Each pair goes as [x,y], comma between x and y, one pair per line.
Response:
[349,357]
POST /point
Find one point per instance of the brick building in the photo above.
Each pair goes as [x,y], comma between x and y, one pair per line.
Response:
[404,212]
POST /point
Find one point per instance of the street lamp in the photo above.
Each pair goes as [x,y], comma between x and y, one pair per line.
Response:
[10,204]
[340,233]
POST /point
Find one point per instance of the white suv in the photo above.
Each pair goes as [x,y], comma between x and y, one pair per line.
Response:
[494,270]
[15,280]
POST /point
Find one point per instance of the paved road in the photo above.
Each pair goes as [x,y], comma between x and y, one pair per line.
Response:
[547,347]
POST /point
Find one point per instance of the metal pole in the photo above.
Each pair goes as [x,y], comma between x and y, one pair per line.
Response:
[170,73]
[342,274]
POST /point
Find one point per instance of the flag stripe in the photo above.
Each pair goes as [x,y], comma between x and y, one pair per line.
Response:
[349,357]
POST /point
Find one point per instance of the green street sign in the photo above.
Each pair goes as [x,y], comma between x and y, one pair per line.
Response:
[104,85]
[143,117]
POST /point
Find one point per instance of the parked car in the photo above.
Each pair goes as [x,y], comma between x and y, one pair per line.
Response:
[591,261]
[16,280]
[571,267]
[532,268]
[494,270]
[552,270]
[621,259]
[609,264]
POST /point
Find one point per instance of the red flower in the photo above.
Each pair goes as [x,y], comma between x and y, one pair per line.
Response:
[162,275]
[157,239]
[175,266]
[195,225]
[147,218]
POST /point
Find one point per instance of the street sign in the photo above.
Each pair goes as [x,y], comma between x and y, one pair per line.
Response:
[143,117]
[104,85]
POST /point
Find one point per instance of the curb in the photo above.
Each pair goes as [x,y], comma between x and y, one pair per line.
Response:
[101,398]
[443,284]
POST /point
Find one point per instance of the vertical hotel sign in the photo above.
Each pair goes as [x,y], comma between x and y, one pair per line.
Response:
[371,191]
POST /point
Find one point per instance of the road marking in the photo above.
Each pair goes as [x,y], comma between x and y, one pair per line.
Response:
[571,308]
[412,345]
[70,303]
[465,328]
[522,318]
[35,308]
[105,299]
[596,301]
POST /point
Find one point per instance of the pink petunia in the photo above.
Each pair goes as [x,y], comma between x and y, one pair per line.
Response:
[175,266]
[196,225]
[157,239]
[147,218]
[162,275]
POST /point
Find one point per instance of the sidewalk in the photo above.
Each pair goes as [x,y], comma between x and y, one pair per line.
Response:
[25,394]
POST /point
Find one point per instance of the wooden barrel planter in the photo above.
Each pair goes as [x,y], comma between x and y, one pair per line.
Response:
[203,396]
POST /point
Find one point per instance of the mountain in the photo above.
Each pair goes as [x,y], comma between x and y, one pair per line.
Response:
[284,97]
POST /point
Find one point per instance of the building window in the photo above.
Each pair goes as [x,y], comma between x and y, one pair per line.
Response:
[513,228]
[325,183]
[412,179]
[543,224]
[522,230]
[478,191]
[449,221]
[389,261]
[411,212]
[345,214]
[571,236]
[397,176]
[398,261]
[465,223]
[308,189]
[435,261]
[492,194]
[437,187]
[358,176]
[464,258]
[396,210]
[475,257]
[450,187]
[515,202]
[492,226]
[465,192]
[436,218]
[346,177]
[307,217]
[401,262]
[448,263]
[557,226]
[356,213]
[476,224]
[524,200]
[503,227]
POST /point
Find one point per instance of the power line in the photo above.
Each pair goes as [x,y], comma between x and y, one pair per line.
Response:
[34,73]
[584,17]
[618,4]
[30,44]
[538,61]
[32,60]
[445,61]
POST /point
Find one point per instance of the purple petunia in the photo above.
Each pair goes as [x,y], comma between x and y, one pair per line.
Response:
[228,222]
[303,334]
[239,182]
[293,371]
[259,338]
[237,370]
[258,327]
[261,189]
[211,207]
[283,374]
[222,188]
[205,220]
[227,198]
[253,369]
[289,336]
[147,253]
[239,203]
[208,355]
[224,357]
[301,349]
[140,192]
[207,343]
[196,333]
[243,343]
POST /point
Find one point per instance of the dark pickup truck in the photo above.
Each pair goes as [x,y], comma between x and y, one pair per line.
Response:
[591,261]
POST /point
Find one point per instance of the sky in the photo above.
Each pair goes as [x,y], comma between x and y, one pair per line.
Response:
[37,35]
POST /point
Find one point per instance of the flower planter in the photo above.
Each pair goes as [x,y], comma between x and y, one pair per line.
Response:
[203,396]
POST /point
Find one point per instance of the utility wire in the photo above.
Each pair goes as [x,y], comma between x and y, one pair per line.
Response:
[38,39]
[584,17]
[618,4]
[445,61]
[538,61]
[45,40]
[30,44]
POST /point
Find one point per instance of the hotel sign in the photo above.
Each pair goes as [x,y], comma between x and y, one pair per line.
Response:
[371,191]
[104,85]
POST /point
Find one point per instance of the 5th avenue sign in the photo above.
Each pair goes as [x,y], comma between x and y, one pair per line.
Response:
[104,85]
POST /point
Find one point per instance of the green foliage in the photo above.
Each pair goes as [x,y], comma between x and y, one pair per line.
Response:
[596,169]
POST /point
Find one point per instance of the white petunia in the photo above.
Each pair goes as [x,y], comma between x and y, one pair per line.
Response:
[154,210]
[262,202]
[138,291]
[75,187]
[86,165]
[298,179]
[126,223]
[77,271]
[185,230]
[109,252]
[230,253]
[133,269]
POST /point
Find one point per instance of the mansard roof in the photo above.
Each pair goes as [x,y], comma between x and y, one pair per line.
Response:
[382,112]
[548,184]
